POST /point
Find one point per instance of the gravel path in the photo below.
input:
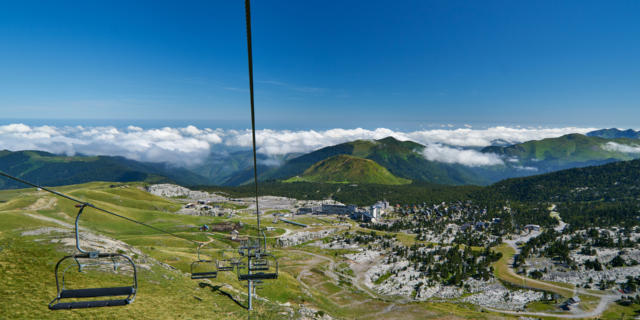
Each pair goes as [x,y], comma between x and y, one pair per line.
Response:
[330,272]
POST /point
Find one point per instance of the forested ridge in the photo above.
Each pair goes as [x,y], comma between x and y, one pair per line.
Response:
[603,195]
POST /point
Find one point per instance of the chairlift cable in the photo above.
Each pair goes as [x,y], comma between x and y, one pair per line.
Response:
[95,207]
[253,116]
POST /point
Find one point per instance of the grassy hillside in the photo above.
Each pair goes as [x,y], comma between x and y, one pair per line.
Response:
[27,260]
[53,170]
[36,232]
[349,169]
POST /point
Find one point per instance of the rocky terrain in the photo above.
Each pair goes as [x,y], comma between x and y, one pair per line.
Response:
[296,238]
[176,191]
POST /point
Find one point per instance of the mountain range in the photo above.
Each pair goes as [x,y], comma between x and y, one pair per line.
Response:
[403,159]
[406,159]
[53,170]
[615,133]
[385,161]
[568,151]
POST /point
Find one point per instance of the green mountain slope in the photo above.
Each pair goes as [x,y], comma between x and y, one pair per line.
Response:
[597,196]
[610,182]
[569,151]
[403,159]
[52,170]
[349,169]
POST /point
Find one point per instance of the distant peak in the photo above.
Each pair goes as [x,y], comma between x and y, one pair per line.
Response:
[388,139]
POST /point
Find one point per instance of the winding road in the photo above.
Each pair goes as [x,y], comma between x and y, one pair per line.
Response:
[603,304]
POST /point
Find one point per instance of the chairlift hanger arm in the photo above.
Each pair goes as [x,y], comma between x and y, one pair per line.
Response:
[77,230]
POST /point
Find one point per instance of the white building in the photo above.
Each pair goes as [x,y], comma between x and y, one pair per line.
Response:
[379,209]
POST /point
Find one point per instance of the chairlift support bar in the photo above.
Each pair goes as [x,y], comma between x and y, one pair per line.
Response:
[92,253]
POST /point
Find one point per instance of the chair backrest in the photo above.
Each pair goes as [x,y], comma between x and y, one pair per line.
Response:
[203,269]
[225,265]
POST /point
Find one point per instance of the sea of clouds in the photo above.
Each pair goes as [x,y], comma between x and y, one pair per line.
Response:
[190,145]
[616,147]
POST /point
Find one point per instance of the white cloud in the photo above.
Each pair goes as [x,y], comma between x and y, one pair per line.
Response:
[616,147]
[285,141]
[526,168]
[471,158]
[181,147]
[191,145]
[467,137]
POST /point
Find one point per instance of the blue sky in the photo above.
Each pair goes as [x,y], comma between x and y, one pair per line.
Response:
[323,64]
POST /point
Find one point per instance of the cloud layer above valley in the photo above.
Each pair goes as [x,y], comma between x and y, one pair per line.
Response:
[191,145]
[616,147]
[471,158]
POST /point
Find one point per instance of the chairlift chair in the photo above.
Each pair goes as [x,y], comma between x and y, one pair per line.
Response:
[259,264]
[226,264]
[271,272]
[200,264]
[63,292]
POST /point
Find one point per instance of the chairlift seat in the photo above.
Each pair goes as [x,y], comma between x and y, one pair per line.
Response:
[259,268]
[224,265]
[210,272]
[89,304]
[258,276]
[97,292]
[204,275]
